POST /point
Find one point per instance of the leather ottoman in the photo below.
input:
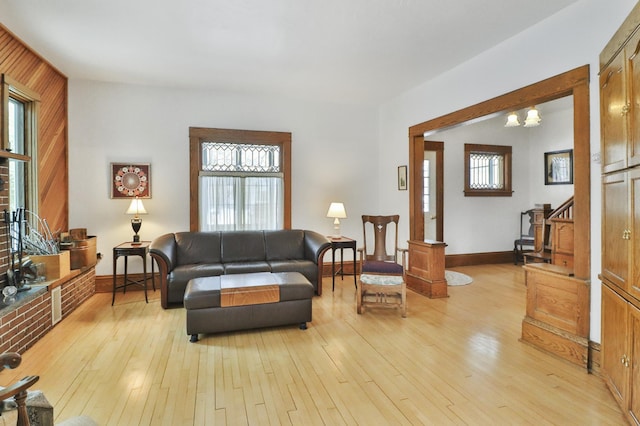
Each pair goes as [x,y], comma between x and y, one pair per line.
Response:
[246,301]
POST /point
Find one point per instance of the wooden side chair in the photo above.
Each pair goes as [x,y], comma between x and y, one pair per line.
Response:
[382,281]
[526,240]
[18,390]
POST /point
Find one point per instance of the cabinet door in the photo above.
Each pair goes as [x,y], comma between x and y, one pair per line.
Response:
[615,245]
[632,53]
[614,343]
[613,118]
[634,366]
[633,283]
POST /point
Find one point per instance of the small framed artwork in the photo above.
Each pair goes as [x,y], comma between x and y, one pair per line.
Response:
[558,167]
[402,178]
[130,180]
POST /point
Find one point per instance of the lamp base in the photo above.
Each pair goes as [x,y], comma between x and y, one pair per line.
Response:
[136,223]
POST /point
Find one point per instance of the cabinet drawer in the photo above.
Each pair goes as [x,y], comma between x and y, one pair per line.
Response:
[562,259]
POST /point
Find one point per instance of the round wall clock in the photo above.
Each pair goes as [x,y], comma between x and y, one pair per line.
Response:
[131,181]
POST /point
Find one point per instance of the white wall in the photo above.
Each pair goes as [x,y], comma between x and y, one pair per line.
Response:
[567,40]
[554,134]
[333,155]
[470,223]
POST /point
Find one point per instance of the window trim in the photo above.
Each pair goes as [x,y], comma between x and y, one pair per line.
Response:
[197,135]
[503,150]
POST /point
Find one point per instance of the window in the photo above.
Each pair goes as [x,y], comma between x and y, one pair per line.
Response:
[426,187]
[20,106]
[487,170]
[241,179]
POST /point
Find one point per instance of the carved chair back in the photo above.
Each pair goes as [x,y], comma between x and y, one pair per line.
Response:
[375,229]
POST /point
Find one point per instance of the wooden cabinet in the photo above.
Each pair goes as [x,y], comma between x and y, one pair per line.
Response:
[620,108]
[613,126]
[621,230]
[633,398]
[620,157]
[621,351]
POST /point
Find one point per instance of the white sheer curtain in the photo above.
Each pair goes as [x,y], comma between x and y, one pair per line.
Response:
[241,203]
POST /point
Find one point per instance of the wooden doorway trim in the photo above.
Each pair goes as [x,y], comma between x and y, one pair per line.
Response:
[419,146]
[574,82]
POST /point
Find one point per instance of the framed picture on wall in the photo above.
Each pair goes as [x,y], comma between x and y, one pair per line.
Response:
[402,178]
[558,167]
[130,180]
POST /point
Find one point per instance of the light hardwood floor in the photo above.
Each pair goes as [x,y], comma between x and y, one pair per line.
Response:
[451,361]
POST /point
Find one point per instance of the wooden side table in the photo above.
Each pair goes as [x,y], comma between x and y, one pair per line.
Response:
[341,243]
[132,249]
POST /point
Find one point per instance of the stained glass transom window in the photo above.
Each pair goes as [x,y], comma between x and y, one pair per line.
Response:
[247,158]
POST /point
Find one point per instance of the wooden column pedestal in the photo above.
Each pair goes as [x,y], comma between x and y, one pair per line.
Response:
[557,319]
[425,274]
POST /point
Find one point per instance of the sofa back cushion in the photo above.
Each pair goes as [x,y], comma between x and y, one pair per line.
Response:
[284,244]
[242,246]
[198,247]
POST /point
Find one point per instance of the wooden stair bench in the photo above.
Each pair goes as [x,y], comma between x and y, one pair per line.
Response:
[557,317]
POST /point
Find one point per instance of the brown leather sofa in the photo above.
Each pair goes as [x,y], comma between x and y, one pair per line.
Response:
[182,256]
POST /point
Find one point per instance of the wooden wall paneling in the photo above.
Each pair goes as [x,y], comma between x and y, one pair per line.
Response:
[25,66]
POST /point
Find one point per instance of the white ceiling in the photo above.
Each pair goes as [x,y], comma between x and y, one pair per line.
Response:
[360,51]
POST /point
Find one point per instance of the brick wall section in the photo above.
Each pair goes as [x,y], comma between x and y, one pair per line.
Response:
[21,328]
[76,291]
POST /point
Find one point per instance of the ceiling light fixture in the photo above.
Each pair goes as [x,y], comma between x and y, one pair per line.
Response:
[512,120]
[533,118]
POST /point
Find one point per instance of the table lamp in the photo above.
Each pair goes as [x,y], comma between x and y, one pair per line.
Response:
[336,211]
[136,208]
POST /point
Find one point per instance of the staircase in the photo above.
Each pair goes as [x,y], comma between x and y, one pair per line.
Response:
[561,235]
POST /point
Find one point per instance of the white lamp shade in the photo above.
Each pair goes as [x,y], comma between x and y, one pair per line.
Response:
[336,210]
[533,118]
[136,207]
[512,120]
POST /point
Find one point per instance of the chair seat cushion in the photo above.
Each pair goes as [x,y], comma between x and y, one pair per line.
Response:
[373,279]
[380,267]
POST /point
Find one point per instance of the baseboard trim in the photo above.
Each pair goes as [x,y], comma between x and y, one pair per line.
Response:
[348,268]
[488,258]
[594,359]
[104,283]
[451,260]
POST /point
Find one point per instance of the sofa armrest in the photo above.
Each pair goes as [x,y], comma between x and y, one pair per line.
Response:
[163,251]
[164,248]
[315,245]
